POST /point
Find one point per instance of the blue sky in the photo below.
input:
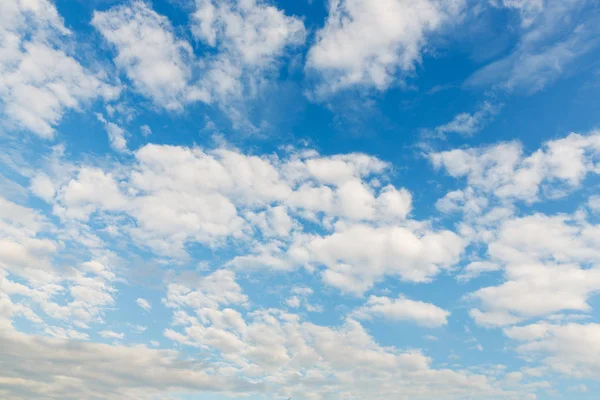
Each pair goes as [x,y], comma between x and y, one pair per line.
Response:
[261,199]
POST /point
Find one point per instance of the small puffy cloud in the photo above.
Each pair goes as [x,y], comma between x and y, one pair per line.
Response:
[403,309]
[111,335]
[293,302]
[344,55]
[358,256]
[146,131]
[145,304]
[469,124]
[476,268]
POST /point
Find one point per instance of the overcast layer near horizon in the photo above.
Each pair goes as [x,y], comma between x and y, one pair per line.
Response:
[315,199]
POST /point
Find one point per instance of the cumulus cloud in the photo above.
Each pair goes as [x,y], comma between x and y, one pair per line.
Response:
[502,170]
[158,63]
[40,81]
[178,195]
[571,349]
[403,309]
[345,56]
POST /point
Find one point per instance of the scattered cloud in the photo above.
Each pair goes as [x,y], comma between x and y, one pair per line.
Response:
[344,56]
[158,63]
[466,124]
[403,309]
[145,304]
[41,79]
[551,40]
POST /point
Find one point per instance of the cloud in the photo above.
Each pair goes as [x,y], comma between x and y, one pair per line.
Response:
[247,41]
[158,63]
[251,32]
[403,309]
[212,291]
[469,124]
[274,346]
[40,80]
[145,304]
[554,35]
[476,268]
[116,135]
[549,266]
[59,368]
[344,56]
[111,335]
[178,195]
[571,349]
[503,171]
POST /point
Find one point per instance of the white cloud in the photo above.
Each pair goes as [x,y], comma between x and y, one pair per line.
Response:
[475,269]
[505,172]
[571,349]
[145,304]
[403,309]
[371,43]
[211,291]
[248,39]
[39,80]
[275,346]
[98,370]
[360,255]
[178,195]
[111,335]
[251,31]
[116,134]
[146,131]
[153,58]
[554,35]
[293,302]
[469,124]
[549,266]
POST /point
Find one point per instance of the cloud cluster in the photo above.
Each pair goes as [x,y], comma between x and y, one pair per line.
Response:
[40,80]
[291,210]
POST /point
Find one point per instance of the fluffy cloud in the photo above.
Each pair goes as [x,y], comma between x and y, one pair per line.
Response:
[179,195]
[39,80]
[251,31]
[149,53]
[397,31]
[505,172]
[571,349]
[403,309]
[551,264]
